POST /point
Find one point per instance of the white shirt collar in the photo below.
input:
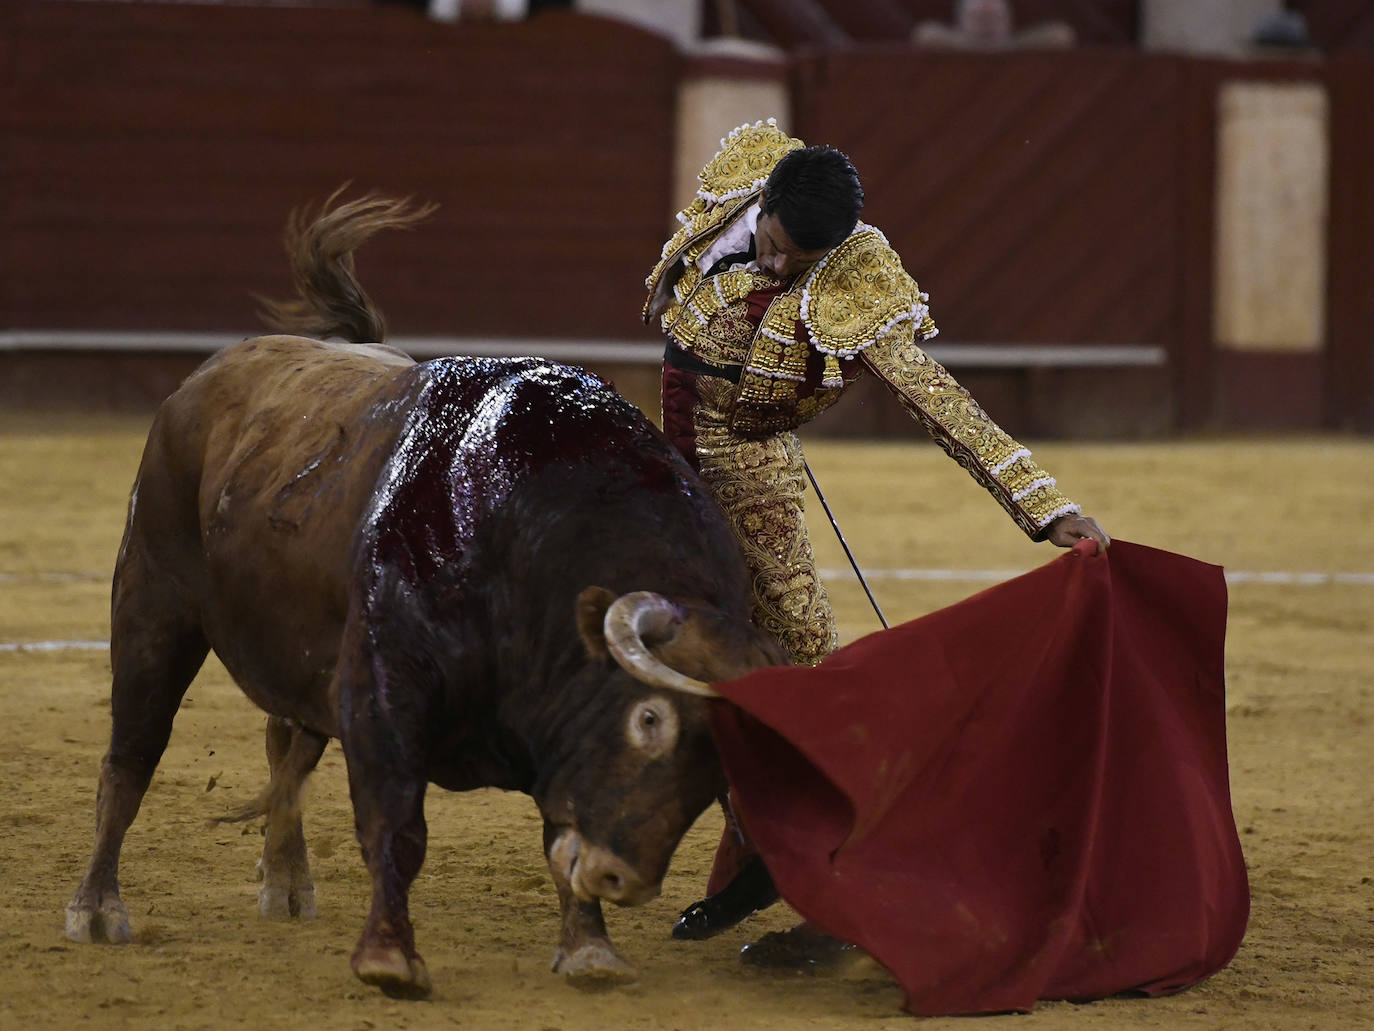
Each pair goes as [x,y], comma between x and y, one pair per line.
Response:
[733,239]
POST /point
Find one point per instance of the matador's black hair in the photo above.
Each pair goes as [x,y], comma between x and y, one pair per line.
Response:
[816,194]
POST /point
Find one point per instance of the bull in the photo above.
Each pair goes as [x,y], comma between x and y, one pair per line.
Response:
[471,572]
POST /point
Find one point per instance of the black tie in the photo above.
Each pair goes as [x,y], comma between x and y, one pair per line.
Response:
[730,260]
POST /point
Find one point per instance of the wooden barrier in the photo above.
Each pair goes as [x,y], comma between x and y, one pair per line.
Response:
[152,151]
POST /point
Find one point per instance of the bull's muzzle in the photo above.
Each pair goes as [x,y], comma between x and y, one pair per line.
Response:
[592,872]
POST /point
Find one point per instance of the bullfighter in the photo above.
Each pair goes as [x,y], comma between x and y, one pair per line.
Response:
[774,297]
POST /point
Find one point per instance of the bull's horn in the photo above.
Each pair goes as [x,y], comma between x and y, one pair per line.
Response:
[632,616]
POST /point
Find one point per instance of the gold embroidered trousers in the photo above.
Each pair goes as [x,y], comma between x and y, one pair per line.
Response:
[760,484]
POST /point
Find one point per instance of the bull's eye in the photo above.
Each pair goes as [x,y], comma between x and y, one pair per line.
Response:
[651,726]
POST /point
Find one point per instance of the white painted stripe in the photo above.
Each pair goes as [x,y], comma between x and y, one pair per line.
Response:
[51,578]
[1301,579]
[634,352]
[1234,576]
[1281,577]
[53,646]
[956,575]
[627,351]
[1015,356]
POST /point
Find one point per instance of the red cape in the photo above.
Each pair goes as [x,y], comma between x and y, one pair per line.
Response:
[1023,796]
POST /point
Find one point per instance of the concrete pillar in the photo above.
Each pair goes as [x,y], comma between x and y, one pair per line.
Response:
[1201,26]
[726,83]
[1271,217]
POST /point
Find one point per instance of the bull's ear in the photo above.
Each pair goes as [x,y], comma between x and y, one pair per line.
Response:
[590,609]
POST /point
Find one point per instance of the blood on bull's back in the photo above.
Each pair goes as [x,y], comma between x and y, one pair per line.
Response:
[550,443]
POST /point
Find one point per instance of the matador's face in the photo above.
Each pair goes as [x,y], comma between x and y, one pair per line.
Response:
[776,252]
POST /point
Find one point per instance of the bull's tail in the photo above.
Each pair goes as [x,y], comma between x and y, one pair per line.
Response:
[281,798]
[329,301]
[248,811]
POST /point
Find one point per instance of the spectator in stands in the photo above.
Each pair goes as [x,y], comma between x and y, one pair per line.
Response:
[1282,30]
[987,25]
[480,10]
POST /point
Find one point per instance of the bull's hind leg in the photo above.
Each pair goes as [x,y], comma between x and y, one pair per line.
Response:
[585,956]
[287,889]
[155,653]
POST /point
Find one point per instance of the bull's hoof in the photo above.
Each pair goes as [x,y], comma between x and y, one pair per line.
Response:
[283,903]
[107,922]
[593,966]
[393,972]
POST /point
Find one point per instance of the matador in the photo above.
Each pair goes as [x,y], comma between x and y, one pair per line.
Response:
[774,298]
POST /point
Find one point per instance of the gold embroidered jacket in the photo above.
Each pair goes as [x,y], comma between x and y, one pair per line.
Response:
[856,305]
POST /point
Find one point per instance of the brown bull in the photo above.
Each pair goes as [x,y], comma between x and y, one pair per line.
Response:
[472,572]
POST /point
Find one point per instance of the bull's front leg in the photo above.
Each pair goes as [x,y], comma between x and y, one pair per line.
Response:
[384,747]
[389,812]
[585,956]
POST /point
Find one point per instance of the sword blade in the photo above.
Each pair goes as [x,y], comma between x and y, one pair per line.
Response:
[843,543]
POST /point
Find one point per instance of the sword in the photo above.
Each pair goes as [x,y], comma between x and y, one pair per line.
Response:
[843,543]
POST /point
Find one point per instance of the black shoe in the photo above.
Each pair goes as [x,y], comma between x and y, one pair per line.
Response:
[803,949]
[751,890]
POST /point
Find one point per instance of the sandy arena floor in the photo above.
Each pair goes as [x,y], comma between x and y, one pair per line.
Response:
[1301,706]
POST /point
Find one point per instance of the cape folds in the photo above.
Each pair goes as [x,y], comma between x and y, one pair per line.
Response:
[1023,796]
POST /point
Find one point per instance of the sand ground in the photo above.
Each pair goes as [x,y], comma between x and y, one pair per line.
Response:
[1301,736]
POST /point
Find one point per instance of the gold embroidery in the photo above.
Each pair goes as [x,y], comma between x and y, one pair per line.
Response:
[711,325]
[685,246]
[963,430]
[773,374]
[715,393]
[744,161]
[811,406]
[691,319]
[759,486]
[858,300]
[858,293]
[730,182]
[725,339]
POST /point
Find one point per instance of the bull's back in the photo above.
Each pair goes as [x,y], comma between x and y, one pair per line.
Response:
[484,432]
[534,480]
[249,494]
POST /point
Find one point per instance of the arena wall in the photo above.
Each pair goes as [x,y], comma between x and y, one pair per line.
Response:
[1061,208]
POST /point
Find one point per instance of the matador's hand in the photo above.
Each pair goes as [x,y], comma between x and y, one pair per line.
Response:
[1068,530]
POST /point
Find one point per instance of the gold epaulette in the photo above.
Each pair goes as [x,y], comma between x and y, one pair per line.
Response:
[729,183]
[743,163]
[857,294]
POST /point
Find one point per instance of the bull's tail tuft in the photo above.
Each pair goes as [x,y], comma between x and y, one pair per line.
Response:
[329,301]
[249,811]
[280,800]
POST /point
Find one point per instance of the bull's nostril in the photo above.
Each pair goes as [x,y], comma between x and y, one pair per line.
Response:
[613,882]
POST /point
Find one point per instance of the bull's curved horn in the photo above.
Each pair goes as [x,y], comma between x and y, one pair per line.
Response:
[628,619]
